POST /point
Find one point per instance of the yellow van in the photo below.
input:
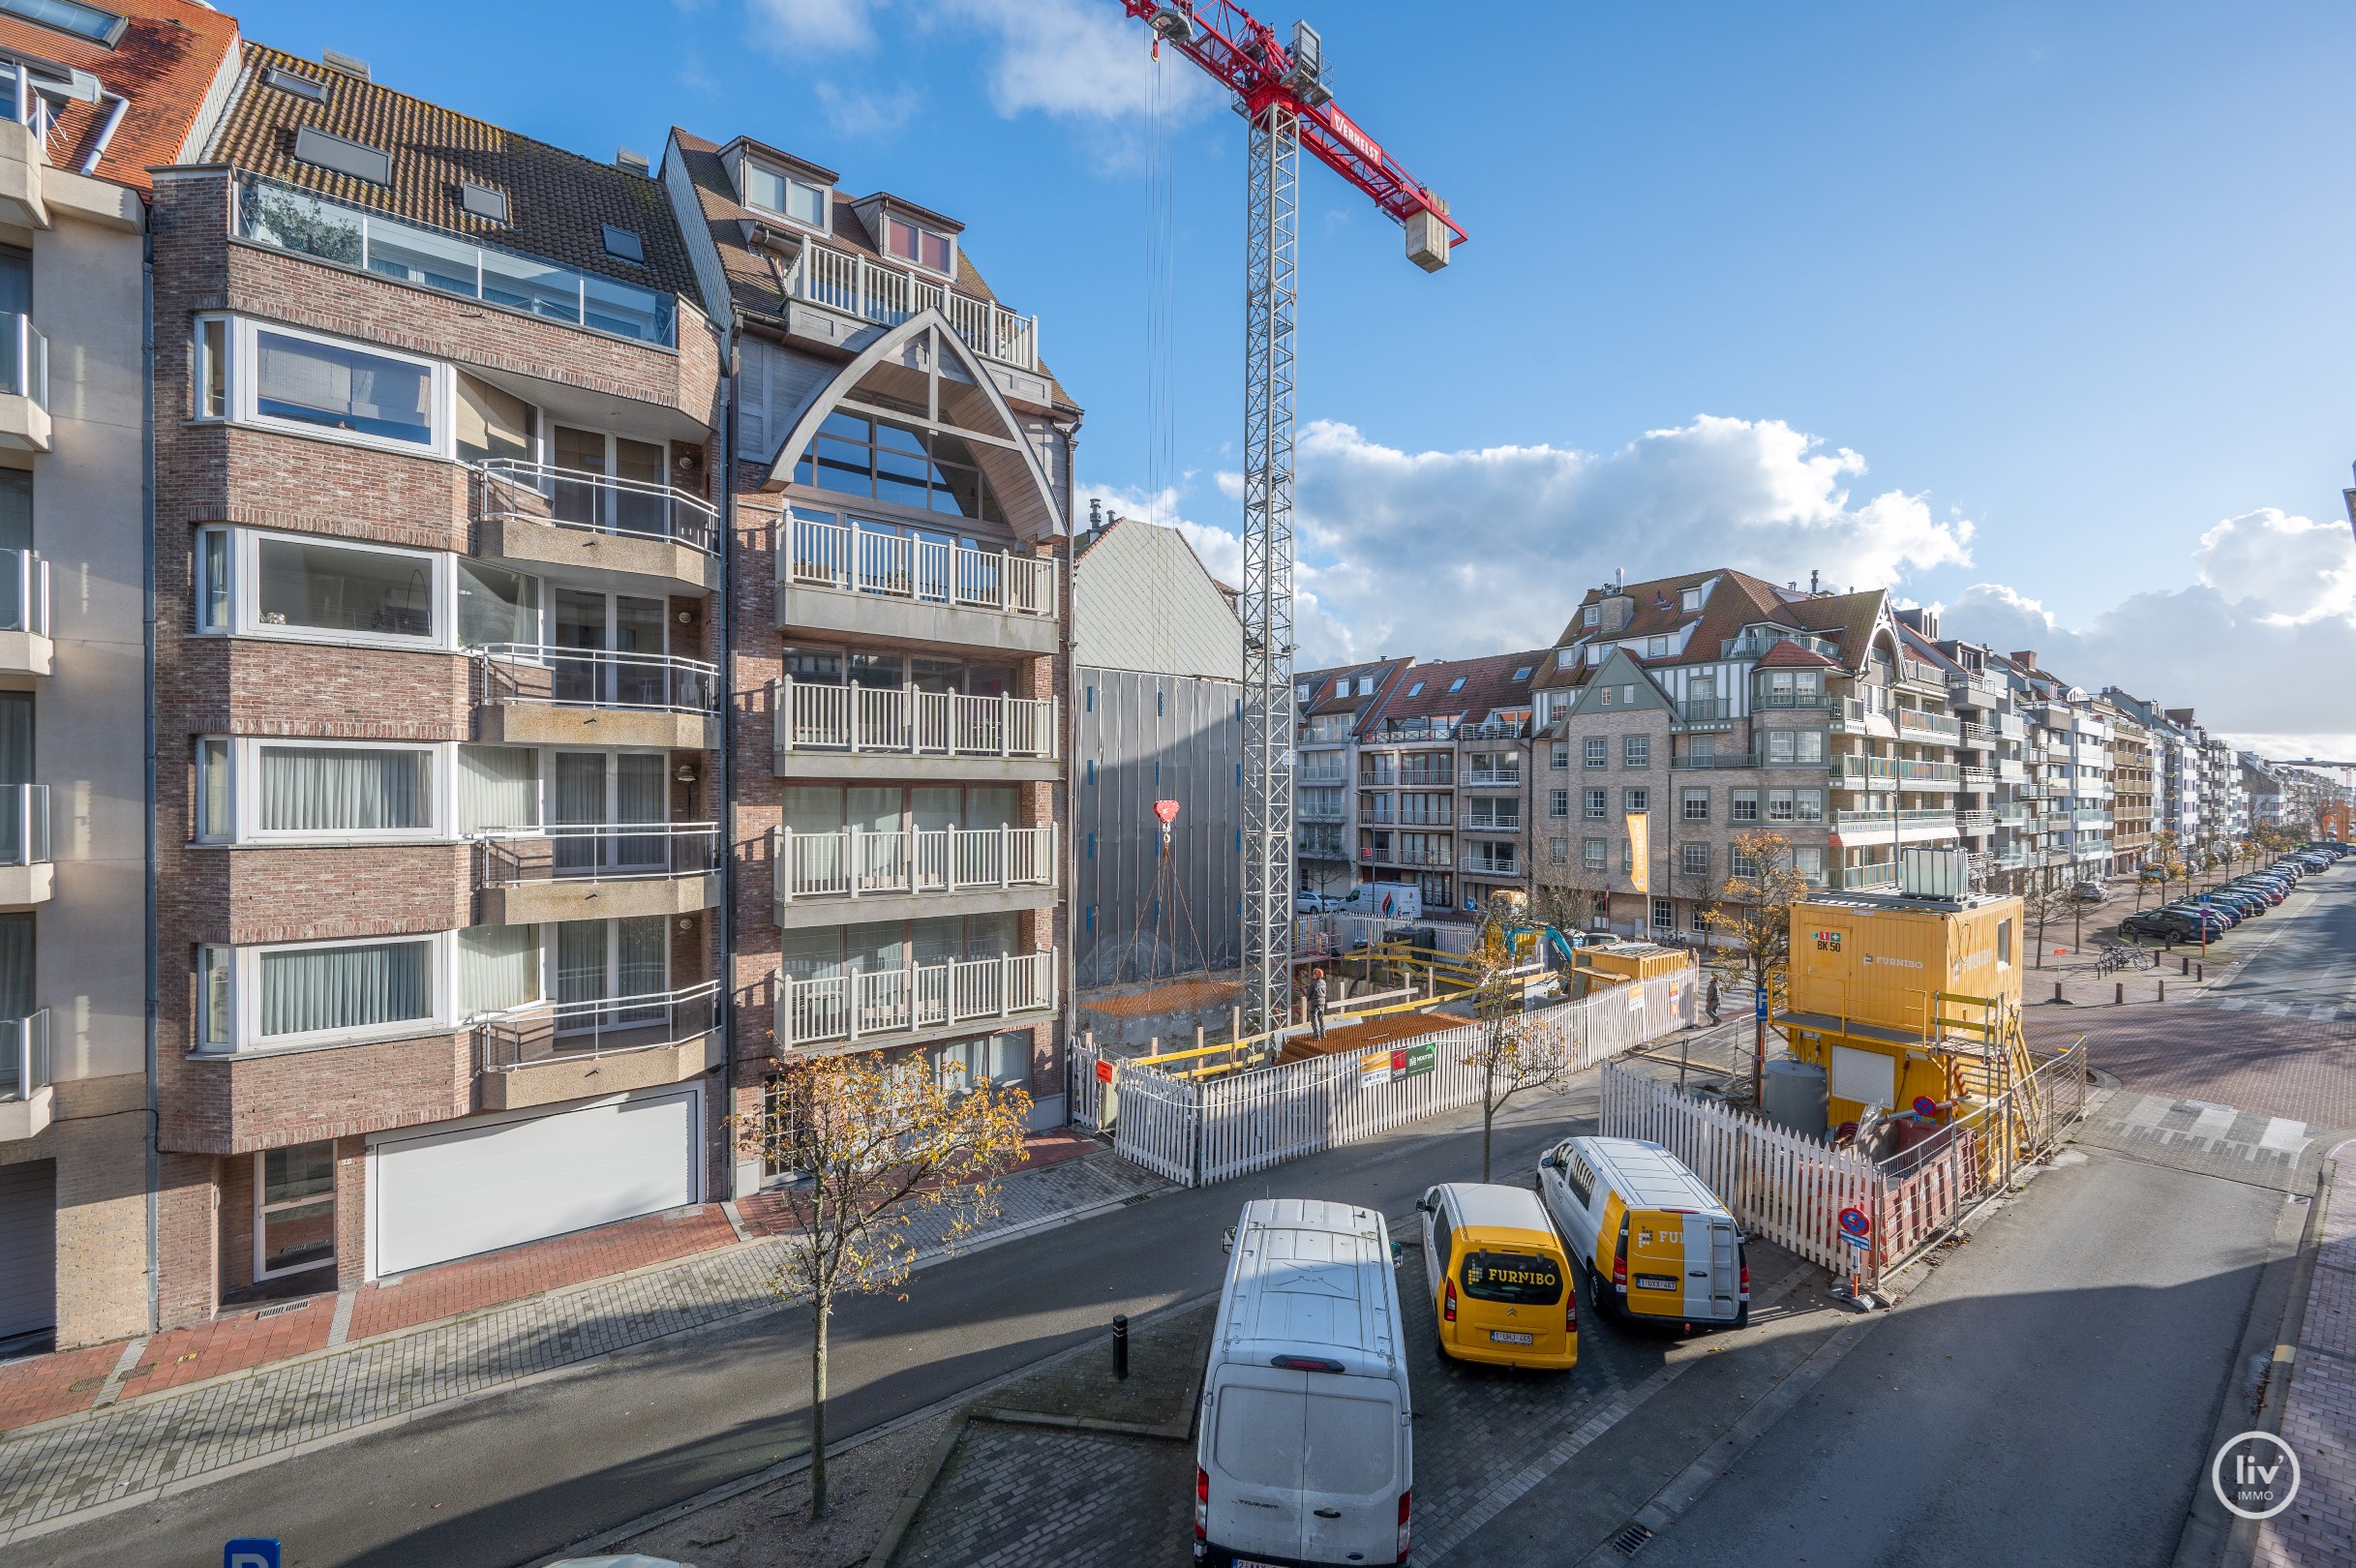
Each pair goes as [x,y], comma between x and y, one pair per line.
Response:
[1500,1280]
[1654,1240]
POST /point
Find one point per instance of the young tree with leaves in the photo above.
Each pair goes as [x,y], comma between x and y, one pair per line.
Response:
[878,1144]
[1750,922]
[1517,1051]
[2167,853]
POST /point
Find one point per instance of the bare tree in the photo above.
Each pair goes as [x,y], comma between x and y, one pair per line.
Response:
[1516,1050]
[878,1144]
[2048,897]
[1751,923]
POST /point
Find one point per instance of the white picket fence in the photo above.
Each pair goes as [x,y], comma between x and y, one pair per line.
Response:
[1195,1133]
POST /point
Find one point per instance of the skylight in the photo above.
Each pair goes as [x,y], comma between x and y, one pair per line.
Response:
[289,81]
[1456,685]
[482,202]
[1523,673]
[67,17]
[624,243]
[345,156]
[1416,690]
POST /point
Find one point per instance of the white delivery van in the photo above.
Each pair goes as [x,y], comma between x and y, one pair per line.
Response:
[1652,1238]
[1304,1453]
[1384,901]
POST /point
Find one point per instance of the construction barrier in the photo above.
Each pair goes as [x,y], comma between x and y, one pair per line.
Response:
[1196,1131]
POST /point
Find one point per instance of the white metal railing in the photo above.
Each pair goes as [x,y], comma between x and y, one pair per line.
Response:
[1480,778]
[604,852]
[596,502]
[601,1025]
[907,721]
[1923,723]
[916,996]
[849,282]
[893,565]
[24,1056]
[593,678]
[25,104]
[24,592]
[24,358]
[856,864]
[1925,819]
[1490,865]
[24,823]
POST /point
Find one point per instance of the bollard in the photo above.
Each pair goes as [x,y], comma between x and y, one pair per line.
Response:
[2186,959]
[1120,1344]
[2118,992]
[2057,990]
[2201,972]
[2163,990]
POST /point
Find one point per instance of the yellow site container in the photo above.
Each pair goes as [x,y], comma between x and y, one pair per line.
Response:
[1634,960]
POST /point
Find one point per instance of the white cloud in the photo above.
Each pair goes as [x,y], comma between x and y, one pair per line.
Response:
[2288,570]
[866,114]
[816,27]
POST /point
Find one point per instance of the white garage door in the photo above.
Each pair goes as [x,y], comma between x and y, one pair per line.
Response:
[457,1191]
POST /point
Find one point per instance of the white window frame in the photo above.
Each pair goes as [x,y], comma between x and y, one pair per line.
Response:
[1690,599]
[262,1208]
[245,799]
[883,243]
[245,997]
[244,545]
[787,183]
[244,352]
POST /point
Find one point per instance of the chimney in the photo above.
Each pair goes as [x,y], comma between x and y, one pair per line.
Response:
[349,65]
[635,161]
[2026,658]
[1812,577]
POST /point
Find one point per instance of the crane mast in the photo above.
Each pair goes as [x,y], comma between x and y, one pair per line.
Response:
[1280,90]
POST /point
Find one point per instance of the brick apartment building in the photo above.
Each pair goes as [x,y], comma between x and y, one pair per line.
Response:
[900,504]
[438,699]
[1334,706]
[89,100]
[1443,780]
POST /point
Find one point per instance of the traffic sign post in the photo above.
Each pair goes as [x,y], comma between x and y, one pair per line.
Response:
[1857,1229]
[251,1552]
[1759,1005]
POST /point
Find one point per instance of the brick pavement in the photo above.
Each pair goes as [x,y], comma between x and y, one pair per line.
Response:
[2283,1067]
[2319,1414]
[150,1439]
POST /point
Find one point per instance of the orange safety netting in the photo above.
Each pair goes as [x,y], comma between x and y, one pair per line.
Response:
[1179,996]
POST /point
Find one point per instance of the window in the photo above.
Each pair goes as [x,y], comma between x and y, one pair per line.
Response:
[322,788]
[212,378]
[1659,648]
[213,820]
[1779,805]
[1743,805]
[1690,599]
[1698,921]
[1592,852]
[493,423]
[479,201]
[69,17]
[1697,805]
[1558,803]
[1558,850]
[912,242]
[1635,799]
[1694,860]
[2004,942]
[1579,1178]
[1664,915]
[1701,750]
[294,1209]
[1559,755]
[1808,805]
[1342,687]
[311,381]
[324,993]
[624,244]
[965,1064]
[783,194]
[1523,673]
[1456,685]
[1741,864]
[898,464]
[495,605]
[1598,804]
[315,585]
[1636,751]
[1808,859]
[499,968]
[1598,751]
[1592,615]
[1366,685]
[1605,699]
[341,153]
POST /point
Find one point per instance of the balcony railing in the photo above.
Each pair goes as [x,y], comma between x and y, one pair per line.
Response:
[1911,771]
[602,852]
[1922,674]
[855,864]
[1705,710]
[595,503]
[1478,779]
[1312,811]
[1424,778]
[1725,758]
[1478,823]
[1858,878]
[1306,777]
[1795,699]
[592,678]
[1313,847]
[916,996]
[24,592]
[1495,730]
[2091,819]
[1915,721]
[1416,729]
[1849,764]
[924,571]
[24,823]
[849,282]
[1924,821]
[907,721]
[326,230]
[602,1026]
[24,1056]
[1487,865]
[24,359]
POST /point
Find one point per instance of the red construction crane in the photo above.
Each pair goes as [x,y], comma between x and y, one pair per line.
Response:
[1280,90]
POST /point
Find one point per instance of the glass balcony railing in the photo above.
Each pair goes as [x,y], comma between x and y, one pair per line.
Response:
[24,823]
[24,592]
[24,1056]
[325,229]
[24,359]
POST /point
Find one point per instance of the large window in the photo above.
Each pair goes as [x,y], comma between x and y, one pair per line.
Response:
[1636,751]
[321,993]
[1000,1059]
[927,247]
[495,605]
[294,1209]
[318,788]
[69,16]
[303,587]
[315,586]
[310,381]
[493,423]
[768,190]
[855,454]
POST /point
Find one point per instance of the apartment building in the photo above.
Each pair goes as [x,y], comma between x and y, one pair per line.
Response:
[2131,764]
[1156,715]
[1332,707]
[1995,819]
[2262,789]
[1715,704]
[89,100]
[2175,767]
[1444,776]
[437,701]
[899,480]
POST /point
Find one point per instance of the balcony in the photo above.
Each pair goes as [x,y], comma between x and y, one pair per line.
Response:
[852,580]
[307,223]
[26,653]
[24,385]
[908,1005]
[540,1055]
[1912,721]
[850,284]
[1479,778]
[1850,768]
[1421,779]
[1478,823]
[1909,826]
[1928,775]
[1479,864]
[1306,811]
[1973,691]
[24,1076]
[1704,714]
[26,876]
[2091,819]
[831,879]
[1395,731]
[585,871]
[905,732]
[1853,718]
[1308,777]
[535,516]
[1978,778]
[1916,672]
[1322,847]
[532,694]
[1861,878]
[1727,759]
[1794,699]
[1495,730]
[1975,822]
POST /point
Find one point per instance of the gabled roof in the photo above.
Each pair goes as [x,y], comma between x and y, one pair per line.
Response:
[1320,683]
[1787,654]
[558,202]
[163,65]
[1619,670]
[1849,617]
[1658,604]
[1488,684]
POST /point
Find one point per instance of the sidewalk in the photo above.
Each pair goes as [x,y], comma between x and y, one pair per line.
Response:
[114,1422]
[2319,1415]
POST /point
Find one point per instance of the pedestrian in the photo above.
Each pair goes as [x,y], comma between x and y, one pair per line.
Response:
[1710,1003]
[1316,1002]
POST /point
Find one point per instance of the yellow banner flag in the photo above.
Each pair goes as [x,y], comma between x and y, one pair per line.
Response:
[1640,851]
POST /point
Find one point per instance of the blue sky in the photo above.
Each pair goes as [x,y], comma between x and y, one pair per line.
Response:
[2065,283]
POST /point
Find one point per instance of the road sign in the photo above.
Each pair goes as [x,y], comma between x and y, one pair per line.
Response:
[1104,1073]
[1860,1242]
[1759,1004]
[2204,898]
[253,1551]
[1854,1225]
[1925,1106]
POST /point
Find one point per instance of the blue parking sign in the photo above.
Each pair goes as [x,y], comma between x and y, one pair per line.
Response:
[1758,1002]
[253,1551]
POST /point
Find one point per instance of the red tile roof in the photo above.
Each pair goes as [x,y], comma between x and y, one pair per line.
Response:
[1385,672]
[165,62]
[1488,684]
[1787,654]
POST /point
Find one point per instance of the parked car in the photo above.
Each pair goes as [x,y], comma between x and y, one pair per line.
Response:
[1502,1287]
[1315,903]
[2167,925]
[2091,893]
[2218,914]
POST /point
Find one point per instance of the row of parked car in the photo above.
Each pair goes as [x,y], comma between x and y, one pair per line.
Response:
[2193,919]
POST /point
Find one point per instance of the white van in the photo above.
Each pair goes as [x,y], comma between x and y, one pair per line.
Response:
[1304,1453]
[1652,1237]
[1384,901]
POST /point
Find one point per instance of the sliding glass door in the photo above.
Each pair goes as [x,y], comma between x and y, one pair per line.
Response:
[612,623]
[604,790]
[610,962]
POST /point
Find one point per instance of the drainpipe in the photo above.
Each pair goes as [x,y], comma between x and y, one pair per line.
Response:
[1068,807]
[106,134]
[726,804]
[147,635]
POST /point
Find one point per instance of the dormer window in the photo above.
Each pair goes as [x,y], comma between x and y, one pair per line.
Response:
[783,194]
[912,242]
[1690,599]
[1593,617]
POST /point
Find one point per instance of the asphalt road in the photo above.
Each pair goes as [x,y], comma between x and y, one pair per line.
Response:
[509,1478]
[2309,956]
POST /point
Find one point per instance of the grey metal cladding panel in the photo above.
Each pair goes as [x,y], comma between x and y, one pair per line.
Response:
[1143,602]
[774,384]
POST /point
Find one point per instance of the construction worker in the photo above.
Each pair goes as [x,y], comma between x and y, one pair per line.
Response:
[1316,1003]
